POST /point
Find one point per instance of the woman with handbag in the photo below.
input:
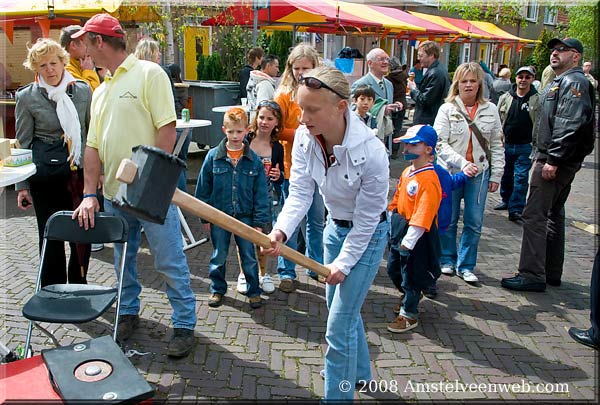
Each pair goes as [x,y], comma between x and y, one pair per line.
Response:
[470,140]
[52,118]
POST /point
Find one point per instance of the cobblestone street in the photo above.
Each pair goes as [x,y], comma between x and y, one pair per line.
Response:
[480,334]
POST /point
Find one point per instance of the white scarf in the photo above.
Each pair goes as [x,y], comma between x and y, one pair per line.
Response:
[66,112]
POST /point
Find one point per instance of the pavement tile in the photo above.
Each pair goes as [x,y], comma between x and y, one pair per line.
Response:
[482,334]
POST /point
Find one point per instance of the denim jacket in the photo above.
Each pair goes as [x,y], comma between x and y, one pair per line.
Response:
[239,191]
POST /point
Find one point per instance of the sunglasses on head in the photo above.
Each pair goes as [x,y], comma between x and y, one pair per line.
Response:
[314,83]
[562,48]
[269,103]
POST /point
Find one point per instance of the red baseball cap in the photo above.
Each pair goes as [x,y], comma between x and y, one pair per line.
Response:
[104,24]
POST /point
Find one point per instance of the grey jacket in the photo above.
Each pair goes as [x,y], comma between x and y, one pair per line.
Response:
[564,133]
[36,115]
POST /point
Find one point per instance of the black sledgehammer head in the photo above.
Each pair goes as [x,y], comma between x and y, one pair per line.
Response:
[148,197]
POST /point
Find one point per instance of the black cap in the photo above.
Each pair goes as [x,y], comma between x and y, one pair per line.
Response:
[568,42]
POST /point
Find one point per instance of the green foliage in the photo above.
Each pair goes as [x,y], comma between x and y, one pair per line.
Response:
[279,44]
[495,11]
[453,57]
[583,25]
[211,68]
[179,15]
[231,42]
[541,53]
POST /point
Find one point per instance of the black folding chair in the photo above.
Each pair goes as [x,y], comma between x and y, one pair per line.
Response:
[76,303]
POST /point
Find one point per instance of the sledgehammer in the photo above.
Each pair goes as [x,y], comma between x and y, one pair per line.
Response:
[149,185]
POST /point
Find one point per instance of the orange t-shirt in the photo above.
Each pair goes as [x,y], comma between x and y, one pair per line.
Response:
[469,154]
[235,155]
[291,121]
[418,196]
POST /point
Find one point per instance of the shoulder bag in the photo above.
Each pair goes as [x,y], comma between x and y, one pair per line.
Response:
[478,135]
[51,160]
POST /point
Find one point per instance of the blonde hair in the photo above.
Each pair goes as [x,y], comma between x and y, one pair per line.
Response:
[44,47]
[461,72]
[288,83]
[333,78]
[235,115]
[505,73]
[147,49]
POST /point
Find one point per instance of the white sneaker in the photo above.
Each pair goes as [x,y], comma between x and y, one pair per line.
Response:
[468,276]
[447,269]
[266,283]
[242,287]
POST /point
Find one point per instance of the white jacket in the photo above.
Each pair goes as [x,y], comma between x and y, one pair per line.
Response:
[453,138]
[354,188]
[260,87]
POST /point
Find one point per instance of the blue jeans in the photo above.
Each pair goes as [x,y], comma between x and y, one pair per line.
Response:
[216,269]
[314,235]
[166,246]
[411,299]
[347,357]
[182,182]
[474,194]
[515,180]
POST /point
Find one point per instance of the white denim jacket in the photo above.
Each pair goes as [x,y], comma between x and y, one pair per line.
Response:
[354,188]
[453,138]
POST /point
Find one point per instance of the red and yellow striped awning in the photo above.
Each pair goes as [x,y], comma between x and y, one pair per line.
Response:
[473,29]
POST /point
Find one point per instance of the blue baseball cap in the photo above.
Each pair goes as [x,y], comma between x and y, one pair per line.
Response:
[419,133]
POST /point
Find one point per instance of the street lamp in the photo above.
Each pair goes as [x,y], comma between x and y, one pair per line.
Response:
[257,5]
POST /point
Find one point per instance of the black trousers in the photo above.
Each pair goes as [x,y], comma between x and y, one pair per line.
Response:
[543,243]
[48,198]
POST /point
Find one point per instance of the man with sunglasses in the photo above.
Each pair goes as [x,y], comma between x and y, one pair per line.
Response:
[563,136]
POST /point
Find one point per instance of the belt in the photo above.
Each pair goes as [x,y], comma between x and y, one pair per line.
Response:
[344,223]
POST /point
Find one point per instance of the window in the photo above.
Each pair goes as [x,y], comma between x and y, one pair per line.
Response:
[550,15]
[466,53]
[531,11]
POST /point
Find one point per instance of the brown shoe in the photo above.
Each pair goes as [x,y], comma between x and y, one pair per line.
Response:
[287,285]
[215,300]
[255,302]
[402,324]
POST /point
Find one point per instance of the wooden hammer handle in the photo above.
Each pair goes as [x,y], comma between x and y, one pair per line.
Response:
[237,227]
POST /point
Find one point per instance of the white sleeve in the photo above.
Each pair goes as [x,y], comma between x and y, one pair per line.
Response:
[412,236]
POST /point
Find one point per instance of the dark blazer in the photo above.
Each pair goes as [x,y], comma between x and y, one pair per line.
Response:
[430,94]
[398,79]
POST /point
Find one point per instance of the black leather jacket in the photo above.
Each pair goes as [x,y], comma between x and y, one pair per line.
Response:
[564,133]
[430,94]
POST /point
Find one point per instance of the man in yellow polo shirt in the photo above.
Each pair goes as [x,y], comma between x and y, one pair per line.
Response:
[134,107]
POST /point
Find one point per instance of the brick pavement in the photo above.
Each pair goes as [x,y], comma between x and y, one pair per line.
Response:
[468,335]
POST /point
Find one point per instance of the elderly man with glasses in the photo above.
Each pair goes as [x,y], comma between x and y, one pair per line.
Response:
[379,64]
[564,136]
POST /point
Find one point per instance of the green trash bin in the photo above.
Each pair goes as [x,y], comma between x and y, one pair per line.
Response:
[206,95]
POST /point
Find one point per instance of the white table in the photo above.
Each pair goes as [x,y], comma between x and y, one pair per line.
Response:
[224,108]
[12,175]
[186,125]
